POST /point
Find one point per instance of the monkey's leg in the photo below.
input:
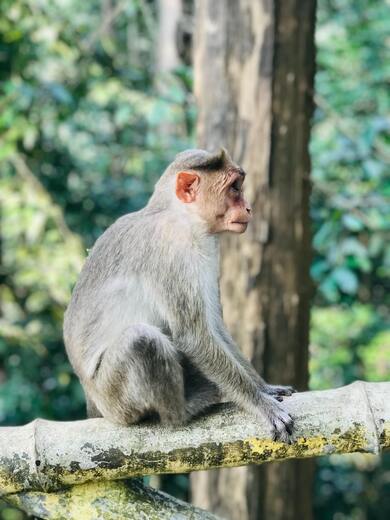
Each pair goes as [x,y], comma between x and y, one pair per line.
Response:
[200,393]
[138,376]
[199,401]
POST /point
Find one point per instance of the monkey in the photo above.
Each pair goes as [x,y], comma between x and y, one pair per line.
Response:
[144,330]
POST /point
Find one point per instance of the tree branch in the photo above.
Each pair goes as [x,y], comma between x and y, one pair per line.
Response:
[47,456]
[108,500]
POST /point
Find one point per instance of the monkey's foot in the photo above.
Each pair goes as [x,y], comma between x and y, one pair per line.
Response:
[278,391]
[282,424]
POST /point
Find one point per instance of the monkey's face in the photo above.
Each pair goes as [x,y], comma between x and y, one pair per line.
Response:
[217,198]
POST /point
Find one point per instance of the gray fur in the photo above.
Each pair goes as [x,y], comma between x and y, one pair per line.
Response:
[144,329]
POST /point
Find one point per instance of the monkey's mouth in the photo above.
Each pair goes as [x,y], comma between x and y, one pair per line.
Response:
[241,222]
[238,226]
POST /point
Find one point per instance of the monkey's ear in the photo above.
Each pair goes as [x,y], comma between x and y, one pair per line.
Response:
[187,186]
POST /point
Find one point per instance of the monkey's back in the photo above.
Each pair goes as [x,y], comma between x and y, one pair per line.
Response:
[111,291]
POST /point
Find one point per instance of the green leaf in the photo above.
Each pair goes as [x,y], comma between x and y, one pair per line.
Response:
[345,279]
[352,222]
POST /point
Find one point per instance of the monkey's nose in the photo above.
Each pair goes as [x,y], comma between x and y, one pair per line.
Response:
[249,210]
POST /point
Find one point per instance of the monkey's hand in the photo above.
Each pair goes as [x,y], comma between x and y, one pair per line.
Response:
[281,422]
[278,392]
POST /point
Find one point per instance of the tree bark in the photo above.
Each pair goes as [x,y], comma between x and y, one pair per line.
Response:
[254,66]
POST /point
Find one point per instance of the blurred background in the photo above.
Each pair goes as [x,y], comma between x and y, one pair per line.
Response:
[96,99]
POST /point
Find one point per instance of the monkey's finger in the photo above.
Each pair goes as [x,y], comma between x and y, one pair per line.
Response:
[282,430]
[288,422]
[289,427]
[281,435]
[287,390]
[280,390]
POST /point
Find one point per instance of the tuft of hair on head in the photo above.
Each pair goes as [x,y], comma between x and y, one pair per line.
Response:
[197,159]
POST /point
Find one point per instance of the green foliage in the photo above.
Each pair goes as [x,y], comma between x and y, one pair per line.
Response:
[351,152]
[41,258]
[351,220]
[79,100]
[344,343]
[352,487]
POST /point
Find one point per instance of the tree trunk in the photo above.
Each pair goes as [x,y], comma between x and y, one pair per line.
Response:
[254,67]
[167,57]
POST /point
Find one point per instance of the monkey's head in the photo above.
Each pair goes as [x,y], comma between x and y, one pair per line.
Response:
[210,187]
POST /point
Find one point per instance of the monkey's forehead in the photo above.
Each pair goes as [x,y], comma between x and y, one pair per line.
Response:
[195,154]
[203,160]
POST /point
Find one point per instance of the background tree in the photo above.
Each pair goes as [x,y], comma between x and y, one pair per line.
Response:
[254,96]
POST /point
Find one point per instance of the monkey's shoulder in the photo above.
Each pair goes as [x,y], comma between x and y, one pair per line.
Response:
[128,246]
[125,233]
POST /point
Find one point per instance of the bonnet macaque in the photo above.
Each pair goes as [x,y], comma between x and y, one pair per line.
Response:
[144,329]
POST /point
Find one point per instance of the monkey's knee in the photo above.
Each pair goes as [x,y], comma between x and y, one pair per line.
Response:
[92,409]
[139,377]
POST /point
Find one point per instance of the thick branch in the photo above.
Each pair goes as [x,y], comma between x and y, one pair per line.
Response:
[46,456]
[108,500]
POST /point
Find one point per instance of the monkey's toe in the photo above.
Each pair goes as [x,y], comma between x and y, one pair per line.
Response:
[280,391]
[283,426]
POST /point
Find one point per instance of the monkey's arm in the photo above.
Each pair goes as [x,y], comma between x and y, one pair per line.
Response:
[278,391]
[209,352]
[221,362]
[199,332]
[238,382]
[239,357]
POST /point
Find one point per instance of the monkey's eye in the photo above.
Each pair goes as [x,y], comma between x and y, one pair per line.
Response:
[236,186]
